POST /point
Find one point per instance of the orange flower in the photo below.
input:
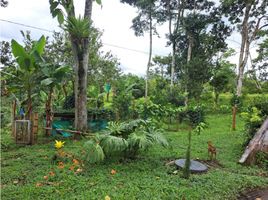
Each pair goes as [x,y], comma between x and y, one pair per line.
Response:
[71,168]
[113,171]
[38,184]
[51,173]
[45,177]
[60,163]
[61,166]
[76,162]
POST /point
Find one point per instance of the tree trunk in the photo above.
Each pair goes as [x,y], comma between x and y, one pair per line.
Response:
[64,89]
[173,64]
[244,51]
[81,85]
[190,47]
[49,116]
[216,98]
[243,57]
[29,104]
[234,110]
[88,9]
[173,39]
[189,55]
[81,57]
[150,54]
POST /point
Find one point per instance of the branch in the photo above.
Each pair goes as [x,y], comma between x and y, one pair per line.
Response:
[263,26]
[257,28]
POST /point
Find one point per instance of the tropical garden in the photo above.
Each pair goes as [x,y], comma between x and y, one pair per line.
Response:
[75,126]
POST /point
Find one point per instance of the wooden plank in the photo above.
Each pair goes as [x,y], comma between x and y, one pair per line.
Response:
[25,136]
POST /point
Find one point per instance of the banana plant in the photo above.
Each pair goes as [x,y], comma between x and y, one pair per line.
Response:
[27,70]
[53,75]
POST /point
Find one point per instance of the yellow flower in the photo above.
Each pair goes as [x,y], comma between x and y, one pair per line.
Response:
[107,197]
[59,144]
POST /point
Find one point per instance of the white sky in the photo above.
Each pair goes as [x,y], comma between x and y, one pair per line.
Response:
[114,18]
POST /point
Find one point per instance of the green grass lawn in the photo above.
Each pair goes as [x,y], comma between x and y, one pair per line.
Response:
[144,178]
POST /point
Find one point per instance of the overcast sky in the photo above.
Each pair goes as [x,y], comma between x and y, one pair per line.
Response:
[114,18]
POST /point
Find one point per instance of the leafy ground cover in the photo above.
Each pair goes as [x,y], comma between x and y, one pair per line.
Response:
[27,172]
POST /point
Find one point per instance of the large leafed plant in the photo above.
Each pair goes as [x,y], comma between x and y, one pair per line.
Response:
[126,139]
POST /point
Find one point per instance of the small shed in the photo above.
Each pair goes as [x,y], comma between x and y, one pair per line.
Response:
[258,143]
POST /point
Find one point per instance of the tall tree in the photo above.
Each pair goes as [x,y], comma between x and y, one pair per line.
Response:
[174,20]
[147,11]
[200,37]
[79,34]
[223,74]
[250,17]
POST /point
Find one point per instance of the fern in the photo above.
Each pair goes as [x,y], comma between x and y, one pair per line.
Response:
[127,138]
[138,140]
[93,152]
[115,128]
[111,144]
[156,136]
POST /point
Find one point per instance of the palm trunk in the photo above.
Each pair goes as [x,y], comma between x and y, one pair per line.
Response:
[150,55]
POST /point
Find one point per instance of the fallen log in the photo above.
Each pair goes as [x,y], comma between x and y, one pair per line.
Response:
[258,143]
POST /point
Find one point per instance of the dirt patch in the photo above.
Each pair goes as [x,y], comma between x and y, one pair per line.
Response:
[254,194]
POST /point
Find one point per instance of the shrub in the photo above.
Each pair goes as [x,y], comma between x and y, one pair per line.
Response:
[262,159]
[69,102]
[253,120]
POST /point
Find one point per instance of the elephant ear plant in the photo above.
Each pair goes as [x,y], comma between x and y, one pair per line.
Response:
[125,139]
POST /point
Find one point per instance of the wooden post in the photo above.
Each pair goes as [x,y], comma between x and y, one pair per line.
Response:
[34,130]
[13,116]
[234,118]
